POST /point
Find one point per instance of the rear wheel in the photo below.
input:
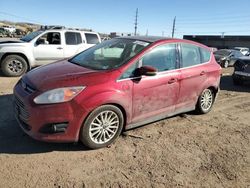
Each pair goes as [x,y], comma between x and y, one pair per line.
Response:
[205,101]
[14,65]
[102,127]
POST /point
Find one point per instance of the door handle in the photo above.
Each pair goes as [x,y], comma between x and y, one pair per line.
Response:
[59,48]
[202,73]
[172,80]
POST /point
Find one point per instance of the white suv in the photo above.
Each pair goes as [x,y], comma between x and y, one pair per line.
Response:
[43,47]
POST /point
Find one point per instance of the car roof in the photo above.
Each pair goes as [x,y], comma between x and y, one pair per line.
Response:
[150,39]
[69,30]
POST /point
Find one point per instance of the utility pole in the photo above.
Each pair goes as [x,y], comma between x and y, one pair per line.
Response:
[136,21]
[147,32]
[173,30]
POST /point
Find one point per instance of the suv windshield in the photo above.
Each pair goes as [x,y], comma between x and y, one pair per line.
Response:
[109,54]
[223,52]
[31,36]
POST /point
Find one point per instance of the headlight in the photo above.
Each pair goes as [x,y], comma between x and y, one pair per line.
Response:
[58,95]
[224,58]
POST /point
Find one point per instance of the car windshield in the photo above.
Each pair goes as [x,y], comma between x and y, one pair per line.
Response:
[110,54]
[223,52]
[31,36]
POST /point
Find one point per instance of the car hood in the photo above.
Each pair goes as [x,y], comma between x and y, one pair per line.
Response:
[63,74]
[13,43]
[217,56]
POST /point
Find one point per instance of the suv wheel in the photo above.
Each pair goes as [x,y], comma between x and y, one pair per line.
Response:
[225,64]
[14,65]
[205,101]
[102,127]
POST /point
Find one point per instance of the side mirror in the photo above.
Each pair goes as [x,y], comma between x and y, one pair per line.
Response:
[40,41]
[146,71]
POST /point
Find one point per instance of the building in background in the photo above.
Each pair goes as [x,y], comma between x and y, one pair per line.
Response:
[220,41]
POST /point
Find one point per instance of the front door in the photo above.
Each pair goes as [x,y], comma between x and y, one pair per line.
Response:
[50,50]
[155,96]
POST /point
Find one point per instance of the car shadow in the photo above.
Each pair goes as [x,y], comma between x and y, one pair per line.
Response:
[14,141]
[226,83]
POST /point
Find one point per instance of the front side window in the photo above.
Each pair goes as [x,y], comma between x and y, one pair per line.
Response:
[91,38]
[129,73]
[109,54]
[73,38]
[190,55]
[162,58]
[51,38]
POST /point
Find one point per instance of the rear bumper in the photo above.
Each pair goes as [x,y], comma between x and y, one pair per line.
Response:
[33,118]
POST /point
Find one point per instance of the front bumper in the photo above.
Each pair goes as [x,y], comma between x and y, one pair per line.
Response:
[242,75]
[32,118]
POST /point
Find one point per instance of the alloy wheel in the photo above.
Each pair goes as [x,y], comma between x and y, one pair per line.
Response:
[15,66]
[104,127]
[206,100]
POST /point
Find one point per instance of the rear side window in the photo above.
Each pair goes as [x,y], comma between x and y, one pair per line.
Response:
[91,38]
[190,55]
[73,38]
[205,55]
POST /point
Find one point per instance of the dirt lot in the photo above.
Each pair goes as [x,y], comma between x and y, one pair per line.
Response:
[211,150]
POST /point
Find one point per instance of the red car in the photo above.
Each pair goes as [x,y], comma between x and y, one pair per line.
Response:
[117,85]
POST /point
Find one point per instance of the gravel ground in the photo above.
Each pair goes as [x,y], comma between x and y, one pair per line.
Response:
[189,150]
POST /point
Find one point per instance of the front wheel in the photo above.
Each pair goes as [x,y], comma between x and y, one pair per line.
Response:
[226,64]
[102,127]
[205,101]
[14,65]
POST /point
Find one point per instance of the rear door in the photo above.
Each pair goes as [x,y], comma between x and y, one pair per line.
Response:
[193,75]
[73,43]
[157,95]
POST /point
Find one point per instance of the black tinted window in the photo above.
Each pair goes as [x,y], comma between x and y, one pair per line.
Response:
[190,55]
[205,55]
[91,38]
[73,38]
[162,58]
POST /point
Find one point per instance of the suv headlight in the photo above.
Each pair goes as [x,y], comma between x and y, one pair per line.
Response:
[58,95]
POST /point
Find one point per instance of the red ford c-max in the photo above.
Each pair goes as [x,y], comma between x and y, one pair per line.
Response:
[119,84]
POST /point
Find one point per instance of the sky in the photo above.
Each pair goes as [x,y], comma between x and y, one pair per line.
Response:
[193,17]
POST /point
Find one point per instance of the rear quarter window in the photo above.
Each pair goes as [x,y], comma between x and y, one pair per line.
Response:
[205,55]
[91,38]
[190,55]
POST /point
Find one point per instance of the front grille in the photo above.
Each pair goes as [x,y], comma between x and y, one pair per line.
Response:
[247,68]
[20,109]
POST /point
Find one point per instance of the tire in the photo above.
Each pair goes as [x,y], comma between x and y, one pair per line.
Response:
[225,64]
[14,65]
[205,101]
[96,129]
